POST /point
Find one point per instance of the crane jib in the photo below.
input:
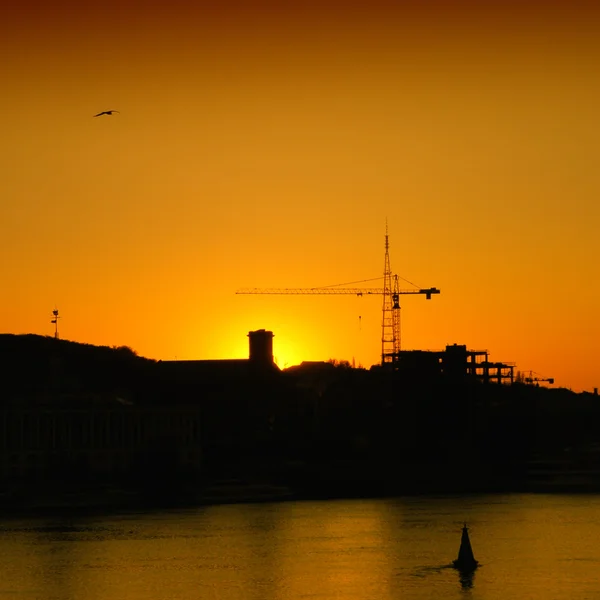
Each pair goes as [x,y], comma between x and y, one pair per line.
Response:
[333,291]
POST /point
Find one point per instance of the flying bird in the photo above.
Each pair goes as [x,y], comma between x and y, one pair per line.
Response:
[106,112]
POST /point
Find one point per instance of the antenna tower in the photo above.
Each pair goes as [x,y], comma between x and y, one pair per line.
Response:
[55,322]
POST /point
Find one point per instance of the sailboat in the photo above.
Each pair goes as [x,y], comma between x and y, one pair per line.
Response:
[466,561]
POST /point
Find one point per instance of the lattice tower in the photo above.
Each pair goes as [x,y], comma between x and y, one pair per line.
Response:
[388,330]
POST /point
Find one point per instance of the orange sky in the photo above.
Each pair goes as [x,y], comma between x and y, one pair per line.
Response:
[265,144]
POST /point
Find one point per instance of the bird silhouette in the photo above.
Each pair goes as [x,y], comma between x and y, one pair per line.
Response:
[106,112]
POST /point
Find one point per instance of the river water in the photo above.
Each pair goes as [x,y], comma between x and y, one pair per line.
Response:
[534,547]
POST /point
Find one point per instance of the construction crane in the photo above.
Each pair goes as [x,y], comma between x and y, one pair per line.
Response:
[390,325]
[537,380]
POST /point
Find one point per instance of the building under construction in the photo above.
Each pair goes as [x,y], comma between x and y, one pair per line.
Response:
[454,364]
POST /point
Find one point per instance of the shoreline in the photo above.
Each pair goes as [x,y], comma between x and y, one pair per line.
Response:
[107,501]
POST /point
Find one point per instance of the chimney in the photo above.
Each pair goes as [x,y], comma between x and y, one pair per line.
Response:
[261,347]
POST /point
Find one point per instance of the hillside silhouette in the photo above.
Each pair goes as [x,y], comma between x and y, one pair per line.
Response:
[83,415]
[43,366]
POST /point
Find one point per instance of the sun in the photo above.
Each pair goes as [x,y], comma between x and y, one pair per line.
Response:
[288,353]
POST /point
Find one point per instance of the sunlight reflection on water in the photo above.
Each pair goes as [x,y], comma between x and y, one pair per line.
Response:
[529,546]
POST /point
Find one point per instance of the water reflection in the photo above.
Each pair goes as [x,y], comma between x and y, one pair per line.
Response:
[466,579]
[533,547]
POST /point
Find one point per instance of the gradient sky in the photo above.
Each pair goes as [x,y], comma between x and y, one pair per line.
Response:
[264,144]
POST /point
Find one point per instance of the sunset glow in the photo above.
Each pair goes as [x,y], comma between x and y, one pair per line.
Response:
[266,144]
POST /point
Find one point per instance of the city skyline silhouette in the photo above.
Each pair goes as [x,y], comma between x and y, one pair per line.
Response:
[265,145]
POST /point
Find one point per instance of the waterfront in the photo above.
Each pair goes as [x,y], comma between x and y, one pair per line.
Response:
[530,546]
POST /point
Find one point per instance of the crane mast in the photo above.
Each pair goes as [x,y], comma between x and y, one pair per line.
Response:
[390,323]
